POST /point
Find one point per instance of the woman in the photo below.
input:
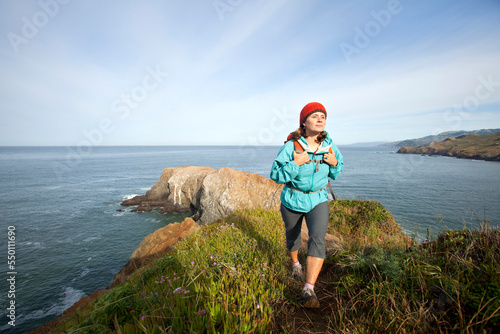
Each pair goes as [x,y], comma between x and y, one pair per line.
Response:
[305,175]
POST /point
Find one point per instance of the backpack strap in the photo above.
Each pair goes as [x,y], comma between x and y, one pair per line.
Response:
[329,184]
[331,190]
[299,149]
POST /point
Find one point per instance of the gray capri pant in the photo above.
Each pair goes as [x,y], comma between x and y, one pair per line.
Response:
[317,223]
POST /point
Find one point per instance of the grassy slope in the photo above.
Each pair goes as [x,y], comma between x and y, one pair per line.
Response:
[485,147]
[233,277]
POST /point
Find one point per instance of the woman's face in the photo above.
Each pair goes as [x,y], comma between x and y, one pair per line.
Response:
[315,123]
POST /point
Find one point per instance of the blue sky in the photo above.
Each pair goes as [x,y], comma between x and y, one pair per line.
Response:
[238,72]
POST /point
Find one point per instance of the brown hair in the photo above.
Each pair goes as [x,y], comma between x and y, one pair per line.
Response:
[301,132]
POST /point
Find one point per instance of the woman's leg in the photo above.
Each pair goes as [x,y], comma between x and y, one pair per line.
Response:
[314,265]
[317,223]
[293,227]
[294,256]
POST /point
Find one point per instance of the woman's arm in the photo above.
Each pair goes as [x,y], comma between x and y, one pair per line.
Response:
[284,168]
[335,169]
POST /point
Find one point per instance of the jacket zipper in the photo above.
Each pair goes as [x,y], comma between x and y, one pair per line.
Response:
[312,182]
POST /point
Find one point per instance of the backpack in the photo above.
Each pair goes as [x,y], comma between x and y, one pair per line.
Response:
[299,149]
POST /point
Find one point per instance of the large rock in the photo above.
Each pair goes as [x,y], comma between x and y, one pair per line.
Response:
[175,191]
[155,245]
[209,194]
[226,190]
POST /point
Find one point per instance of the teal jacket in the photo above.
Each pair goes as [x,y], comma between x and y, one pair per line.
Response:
[309,177]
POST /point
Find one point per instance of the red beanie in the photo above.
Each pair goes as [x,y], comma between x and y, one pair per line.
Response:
[309,109]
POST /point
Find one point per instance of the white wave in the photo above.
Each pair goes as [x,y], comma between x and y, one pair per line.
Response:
[118,214]
[53,187]
[67,299]
[126,197]
[84,273]
[92,238]
[146,189]
[33,244]
[67,240]
[70,297]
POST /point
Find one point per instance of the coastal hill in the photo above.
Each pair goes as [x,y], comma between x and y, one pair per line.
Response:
[433,139]
[232,275]
[473,146]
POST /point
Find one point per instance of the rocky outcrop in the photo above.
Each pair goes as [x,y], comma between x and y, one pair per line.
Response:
[209,194]
[155,245]
[478,147]
[433,139]
[175,191]
[226,190]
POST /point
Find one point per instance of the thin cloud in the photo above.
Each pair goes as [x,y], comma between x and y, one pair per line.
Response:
[228,74]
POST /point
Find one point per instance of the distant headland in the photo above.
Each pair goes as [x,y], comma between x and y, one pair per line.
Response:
[434,139]
[466,146]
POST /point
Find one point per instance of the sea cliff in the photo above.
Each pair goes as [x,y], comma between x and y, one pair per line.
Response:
[233,275]
[433,139]
[478,147]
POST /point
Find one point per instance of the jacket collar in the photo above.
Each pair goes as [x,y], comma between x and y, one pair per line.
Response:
[323,147]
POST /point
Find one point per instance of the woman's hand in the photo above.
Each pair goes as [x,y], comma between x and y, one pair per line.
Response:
[300,158]
[330,159]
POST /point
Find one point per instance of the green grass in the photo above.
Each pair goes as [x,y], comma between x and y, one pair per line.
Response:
[232,276]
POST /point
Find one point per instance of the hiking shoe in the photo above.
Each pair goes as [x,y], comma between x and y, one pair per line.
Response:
[297,272]
[309,299]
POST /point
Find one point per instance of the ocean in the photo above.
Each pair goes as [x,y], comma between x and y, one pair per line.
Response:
[71,236]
